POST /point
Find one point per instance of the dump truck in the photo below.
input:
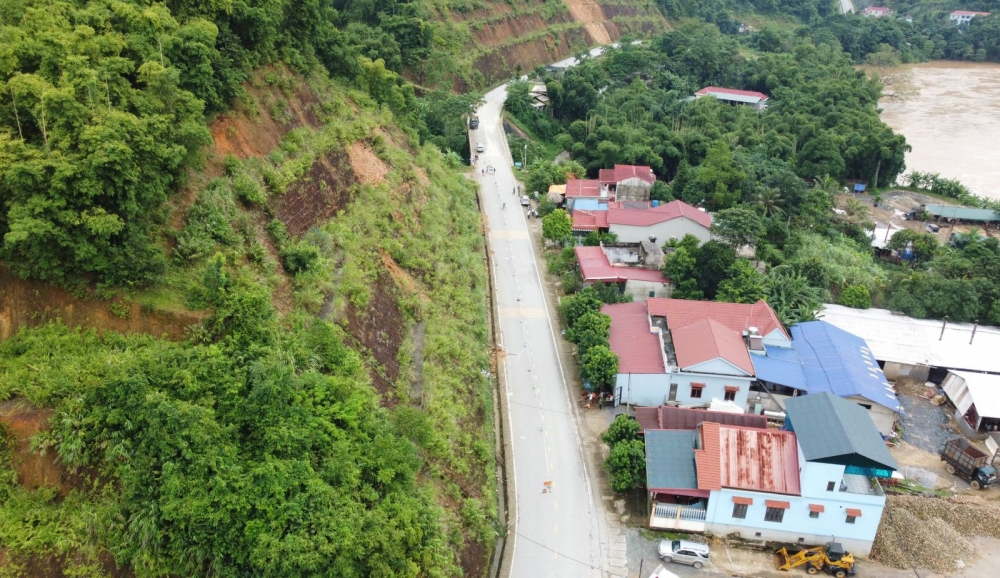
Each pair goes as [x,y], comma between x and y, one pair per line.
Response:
[968,462]
[831,558]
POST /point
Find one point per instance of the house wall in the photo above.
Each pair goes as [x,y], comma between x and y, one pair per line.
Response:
[777,339]
[958,393]
[633,189]
[894,370]
[640,290]
[831,525]
[654,389]
[662,231]
[883,417]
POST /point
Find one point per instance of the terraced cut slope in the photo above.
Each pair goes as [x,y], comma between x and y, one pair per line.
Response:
[506,37]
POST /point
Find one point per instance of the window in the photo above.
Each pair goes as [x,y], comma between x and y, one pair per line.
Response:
[774,514]
[830,486]
[813,514]
[850,519]
[696,390]
[740,511]
[729,396]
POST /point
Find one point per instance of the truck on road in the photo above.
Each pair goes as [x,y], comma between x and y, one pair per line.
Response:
[474,122]
[968,462]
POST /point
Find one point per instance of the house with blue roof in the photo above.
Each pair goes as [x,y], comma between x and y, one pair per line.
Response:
[825,358]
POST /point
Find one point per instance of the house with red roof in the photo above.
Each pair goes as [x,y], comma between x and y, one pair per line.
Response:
[755,100]
[876,11]
[706,348]
[627,182]
[637,221]
[965,16]
[815,481]
[620,265]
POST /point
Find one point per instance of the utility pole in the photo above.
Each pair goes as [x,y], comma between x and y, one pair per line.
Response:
[524,158]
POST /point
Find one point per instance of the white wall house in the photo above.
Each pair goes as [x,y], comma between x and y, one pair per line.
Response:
[814,483]
[965,16]
[668,221]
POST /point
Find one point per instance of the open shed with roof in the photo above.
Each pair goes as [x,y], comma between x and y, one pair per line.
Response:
[976,397]
[825,358]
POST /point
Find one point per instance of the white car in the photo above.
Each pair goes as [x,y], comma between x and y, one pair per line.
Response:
[684,552]
[480,147]
[525,201]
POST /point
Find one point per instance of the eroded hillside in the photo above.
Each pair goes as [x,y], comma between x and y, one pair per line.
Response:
[324,252]
[504,37]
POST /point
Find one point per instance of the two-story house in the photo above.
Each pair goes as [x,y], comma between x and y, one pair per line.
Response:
[627,182]
[687,353]
[965,16]
[814,482]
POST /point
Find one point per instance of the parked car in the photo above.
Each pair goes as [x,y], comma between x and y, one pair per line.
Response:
[480,147]
[474,122]
[964,460]
[684,552]
[525,201]
[932,228]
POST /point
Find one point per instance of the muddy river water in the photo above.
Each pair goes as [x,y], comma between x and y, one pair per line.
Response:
[952,121]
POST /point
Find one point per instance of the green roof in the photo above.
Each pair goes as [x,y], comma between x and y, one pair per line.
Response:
[964,213]
[670,459]
[834,430]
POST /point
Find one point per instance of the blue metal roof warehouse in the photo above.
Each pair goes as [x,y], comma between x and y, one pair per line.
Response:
[822,358]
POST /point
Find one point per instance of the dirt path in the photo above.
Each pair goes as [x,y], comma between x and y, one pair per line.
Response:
[590,14]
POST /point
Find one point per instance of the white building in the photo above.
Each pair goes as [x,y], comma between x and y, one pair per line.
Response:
[876,11]
[965,16]
[755,100]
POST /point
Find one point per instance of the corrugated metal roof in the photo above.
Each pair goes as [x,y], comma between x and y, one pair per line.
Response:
[670,460]
[585,220]
[984,390]
[760,460]
[836,431]
[652,216]
[583,188]
[595,266]
[824,357]
[964,213]
[706,340]
[638,348]
[622,172]
[666,417]
[919,341]
[736,316]
[732,94]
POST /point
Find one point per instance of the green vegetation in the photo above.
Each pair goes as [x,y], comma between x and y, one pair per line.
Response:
[626,464]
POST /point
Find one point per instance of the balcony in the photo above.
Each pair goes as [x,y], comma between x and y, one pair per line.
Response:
[675,517]
[857,484]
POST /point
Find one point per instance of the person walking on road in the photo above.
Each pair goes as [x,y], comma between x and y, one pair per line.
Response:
[503,207]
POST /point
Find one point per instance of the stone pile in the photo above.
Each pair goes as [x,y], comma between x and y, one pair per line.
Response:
[932,533]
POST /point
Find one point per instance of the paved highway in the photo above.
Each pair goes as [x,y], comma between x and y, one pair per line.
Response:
[557,531]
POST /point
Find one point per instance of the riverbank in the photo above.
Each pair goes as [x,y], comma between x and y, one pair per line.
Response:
[951,120]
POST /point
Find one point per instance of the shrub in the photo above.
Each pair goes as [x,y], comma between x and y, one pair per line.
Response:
[856,296]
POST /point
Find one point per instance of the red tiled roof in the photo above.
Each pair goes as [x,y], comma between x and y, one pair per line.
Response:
[594,266]
[583,188]
[654,215]
[706,340]
[760,460]
[736,316]
[707,462]
[638,348]
[622,172]
[969,13]
[589,220]
[716,90]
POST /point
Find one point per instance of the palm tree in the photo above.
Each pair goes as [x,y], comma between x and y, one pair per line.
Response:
[855,209]
[827,184]
[771,200]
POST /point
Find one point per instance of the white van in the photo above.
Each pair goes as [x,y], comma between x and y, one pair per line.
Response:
[480,147]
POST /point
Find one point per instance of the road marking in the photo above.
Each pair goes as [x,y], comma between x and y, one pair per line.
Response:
[509,234]
[524,312]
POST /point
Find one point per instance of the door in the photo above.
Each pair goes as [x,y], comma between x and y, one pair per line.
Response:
[618,396]
[673,392]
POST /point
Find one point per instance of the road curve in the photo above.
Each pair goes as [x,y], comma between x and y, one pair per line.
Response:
[557,531]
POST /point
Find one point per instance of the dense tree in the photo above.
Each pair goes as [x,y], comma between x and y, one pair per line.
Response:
[600,366]
[743,284]
[557,226]
[624,428]
[739,226]
[627,465]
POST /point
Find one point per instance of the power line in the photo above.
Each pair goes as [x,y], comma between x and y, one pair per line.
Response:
[587,564]
[538,408]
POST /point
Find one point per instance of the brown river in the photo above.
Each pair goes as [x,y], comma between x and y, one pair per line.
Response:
[951,118]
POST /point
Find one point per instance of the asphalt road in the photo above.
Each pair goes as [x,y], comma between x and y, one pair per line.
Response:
[558,524]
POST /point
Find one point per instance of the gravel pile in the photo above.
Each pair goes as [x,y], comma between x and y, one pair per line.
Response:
[932,532]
